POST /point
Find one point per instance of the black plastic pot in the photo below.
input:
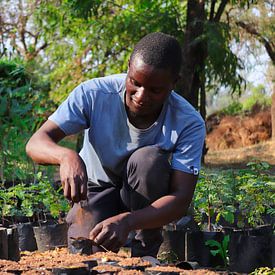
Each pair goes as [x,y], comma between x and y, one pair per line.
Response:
[198,251]
[26,237]
[13,244]
[151,272]
[173,244]
[70,271]
[50,236]
[188,265]
[80,247]
[273,250]
[250,249]
[3,243]
[90,263]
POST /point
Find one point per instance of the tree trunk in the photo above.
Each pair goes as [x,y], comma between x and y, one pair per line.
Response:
[273,113]
[194,53]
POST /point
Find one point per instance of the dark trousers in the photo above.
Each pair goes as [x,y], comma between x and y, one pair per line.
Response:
[146,178]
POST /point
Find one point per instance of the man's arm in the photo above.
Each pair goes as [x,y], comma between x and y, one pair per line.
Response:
[168,208]
[113,232]
[43,148]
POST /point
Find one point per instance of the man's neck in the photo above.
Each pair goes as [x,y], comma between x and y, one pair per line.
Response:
[141,122]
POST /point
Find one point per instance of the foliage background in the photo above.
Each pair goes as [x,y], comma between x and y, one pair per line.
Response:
[47,47]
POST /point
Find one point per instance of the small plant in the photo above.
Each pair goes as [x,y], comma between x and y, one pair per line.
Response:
[52,200]
[214,197]
[220,248]
[35,201]
[168,257]
[256,194]
[243,196]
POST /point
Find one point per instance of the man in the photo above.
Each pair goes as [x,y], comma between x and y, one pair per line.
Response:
[141,151]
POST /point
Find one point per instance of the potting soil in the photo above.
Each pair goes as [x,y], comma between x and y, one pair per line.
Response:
[49,261]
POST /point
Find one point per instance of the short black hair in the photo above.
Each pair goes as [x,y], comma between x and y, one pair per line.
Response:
[160,50]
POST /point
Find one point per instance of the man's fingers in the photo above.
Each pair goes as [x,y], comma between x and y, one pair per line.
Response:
[112,242]
[83,190]
[67,189]
[75,190]
[96,230]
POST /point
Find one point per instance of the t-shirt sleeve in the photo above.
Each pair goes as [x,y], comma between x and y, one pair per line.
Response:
[188,152]
[73,115]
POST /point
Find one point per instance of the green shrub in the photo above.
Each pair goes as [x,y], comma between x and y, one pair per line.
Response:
[36,200]
[23,102]
[248,192]
[258,97]
[233,109]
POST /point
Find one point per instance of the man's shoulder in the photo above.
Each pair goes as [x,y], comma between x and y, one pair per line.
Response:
[107,84]
[183,109]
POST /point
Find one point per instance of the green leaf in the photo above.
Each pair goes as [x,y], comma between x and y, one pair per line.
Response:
[225,242]
[215,252]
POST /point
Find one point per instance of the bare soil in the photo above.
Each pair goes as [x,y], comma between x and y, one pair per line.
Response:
[236,140]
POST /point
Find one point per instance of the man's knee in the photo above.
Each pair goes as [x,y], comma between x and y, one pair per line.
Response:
[148,172]
[149,161]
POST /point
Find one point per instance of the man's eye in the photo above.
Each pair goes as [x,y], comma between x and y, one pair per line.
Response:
[156,91]
[134,82]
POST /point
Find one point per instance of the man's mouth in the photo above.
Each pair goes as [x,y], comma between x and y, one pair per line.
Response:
[139,105]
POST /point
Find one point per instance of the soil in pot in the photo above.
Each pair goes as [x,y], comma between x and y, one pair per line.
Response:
[26,237]
[247,252]
[106,269]
[163,270]
[50,236]
[3,243]
[107,257]
[134,263]
[198,251]
[130,272]
[13,244]
[173,244]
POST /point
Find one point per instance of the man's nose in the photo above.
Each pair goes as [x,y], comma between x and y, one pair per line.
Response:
[141,95]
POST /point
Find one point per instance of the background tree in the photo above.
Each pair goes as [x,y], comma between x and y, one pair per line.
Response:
[95,38]
[18,33]
[257,26]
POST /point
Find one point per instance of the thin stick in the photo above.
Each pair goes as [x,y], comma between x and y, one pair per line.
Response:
[92,242]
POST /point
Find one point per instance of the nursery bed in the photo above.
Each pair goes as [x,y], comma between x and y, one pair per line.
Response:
[60,261]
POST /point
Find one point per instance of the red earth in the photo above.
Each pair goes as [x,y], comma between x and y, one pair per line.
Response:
[239,139]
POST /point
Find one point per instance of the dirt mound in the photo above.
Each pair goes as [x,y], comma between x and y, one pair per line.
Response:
[229,132]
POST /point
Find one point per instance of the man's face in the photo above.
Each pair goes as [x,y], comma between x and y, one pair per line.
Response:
[147,88]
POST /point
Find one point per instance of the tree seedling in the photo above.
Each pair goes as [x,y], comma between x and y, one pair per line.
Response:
[220,248]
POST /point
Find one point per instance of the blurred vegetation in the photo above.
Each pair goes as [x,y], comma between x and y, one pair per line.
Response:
[39,201]
[24,103]
[48,47]
[256,99]
[240,197]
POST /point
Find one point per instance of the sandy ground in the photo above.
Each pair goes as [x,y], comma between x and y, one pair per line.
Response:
[264,151]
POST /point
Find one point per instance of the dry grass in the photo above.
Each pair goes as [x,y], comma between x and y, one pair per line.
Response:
[264,151]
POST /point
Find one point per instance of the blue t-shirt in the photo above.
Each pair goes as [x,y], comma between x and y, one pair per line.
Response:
[98,106]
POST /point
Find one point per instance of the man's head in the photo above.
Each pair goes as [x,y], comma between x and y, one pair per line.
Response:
[152,74]
[159,50]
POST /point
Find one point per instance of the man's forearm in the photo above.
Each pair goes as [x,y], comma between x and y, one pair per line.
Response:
[43,150]
[159,213]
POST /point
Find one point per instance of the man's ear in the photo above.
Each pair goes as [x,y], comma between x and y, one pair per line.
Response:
[177,78]
[128,65]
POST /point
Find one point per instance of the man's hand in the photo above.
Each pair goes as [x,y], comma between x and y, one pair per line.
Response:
[73,177]
[112,233]
[43,148]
